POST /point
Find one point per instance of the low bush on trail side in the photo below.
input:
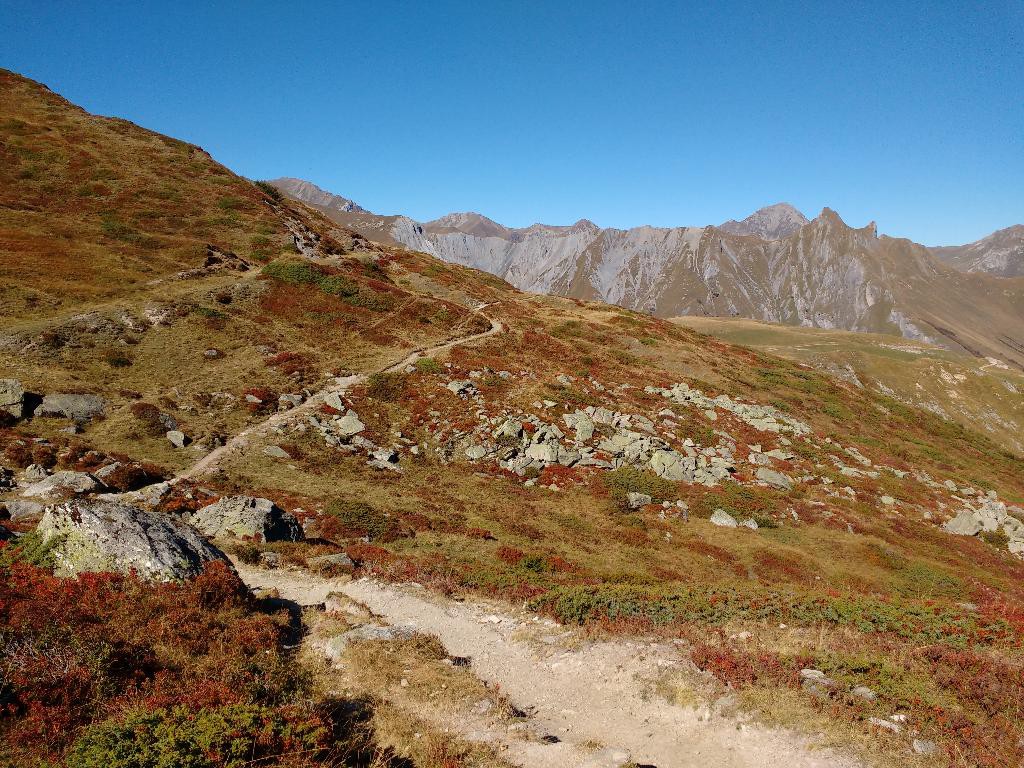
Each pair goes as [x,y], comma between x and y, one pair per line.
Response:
[914,620]
[229,736]
[349,519]
[387,387]
[429,365]
[106,670]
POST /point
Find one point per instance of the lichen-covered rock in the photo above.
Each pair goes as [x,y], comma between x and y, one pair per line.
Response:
[16,510]
[637,500]
[76,407]
[12,398]
[61,483]
[109,535]
[247,517]
[331,564]
[177,438]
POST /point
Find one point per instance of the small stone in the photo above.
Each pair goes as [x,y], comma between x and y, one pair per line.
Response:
[12,398]
[60,482]
[247,517]
[76,407]
[177,438]
[337,563]
[924,747]
[637,500]
[349,424]
[888,725]
[276,452]
[888,500]
[34,473]
[475,452]
[863,692]
[270,559]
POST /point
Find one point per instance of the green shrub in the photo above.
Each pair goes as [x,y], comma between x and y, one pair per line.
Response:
[915,620]
[31,549]
[269,190]
[925,580]
[741,502]
[996,538]
[358,518]
[388,387]
[429,365]
[302,273]
[220,737]
[115,358]
[230,203]
[248,552]
[625,480]
[210,313]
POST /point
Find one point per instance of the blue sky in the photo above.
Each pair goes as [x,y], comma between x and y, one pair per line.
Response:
[911,114]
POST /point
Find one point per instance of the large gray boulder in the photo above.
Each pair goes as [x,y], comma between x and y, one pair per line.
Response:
[12,398]
[964,524]
[247,517]
[93,535]
[76,407]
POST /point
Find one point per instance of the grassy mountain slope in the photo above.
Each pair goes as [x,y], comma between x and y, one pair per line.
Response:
[983,394]
[847,571]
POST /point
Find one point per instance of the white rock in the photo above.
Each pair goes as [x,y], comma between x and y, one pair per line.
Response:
[723,518]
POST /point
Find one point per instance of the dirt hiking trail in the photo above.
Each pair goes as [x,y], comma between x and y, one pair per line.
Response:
[583,692]
[211,460]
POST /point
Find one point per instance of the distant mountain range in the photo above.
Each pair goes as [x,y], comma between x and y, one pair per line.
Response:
[775,265]
[1001,253]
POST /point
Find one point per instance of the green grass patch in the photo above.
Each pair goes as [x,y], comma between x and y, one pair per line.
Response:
[917,621]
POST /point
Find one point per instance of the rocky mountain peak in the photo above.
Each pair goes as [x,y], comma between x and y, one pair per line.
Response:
[773,222]
[310,193]
[1000,254]
[471,223]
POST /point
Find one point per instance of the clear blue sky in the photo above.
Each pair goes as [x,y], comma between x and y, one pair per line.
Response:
[911,114]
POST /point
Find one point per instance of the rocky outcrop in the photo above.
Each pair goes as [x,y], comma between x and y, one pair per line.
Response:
[109,535]
[989,515]
[246,517]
